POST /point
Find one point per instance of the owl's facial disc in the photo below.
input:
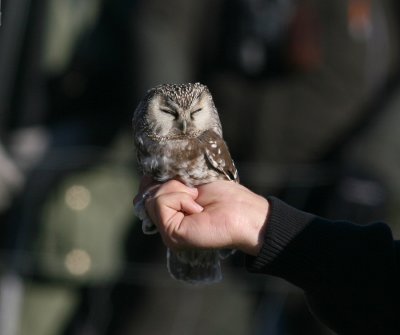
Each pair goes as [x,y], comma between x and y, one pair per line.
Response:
[177,117]
[182,121]
[179,121]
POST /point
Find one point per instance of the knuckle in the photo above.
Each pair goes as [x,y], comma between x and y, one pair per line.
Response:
[174,184]
[167,187]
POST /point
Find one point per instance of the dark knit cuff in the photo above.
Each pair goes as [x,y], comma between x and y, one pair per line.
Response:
[278,256]
[283,224]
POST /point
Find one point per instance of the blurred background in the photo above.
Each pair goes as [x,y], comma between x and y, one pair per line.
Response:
[309,96]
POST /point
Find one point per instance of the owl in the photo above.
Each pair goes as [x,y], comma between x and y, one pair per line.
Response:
[178,135]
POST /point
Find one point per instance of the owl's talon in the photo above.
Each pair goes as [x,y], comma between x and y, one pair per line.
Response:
[148,227]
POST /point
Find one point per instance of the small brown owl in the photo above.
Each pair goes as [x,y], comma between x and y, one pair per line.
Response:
[178,135]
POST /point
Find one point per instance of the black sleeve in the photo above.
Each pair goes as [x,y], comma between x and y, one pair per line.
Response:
[349,272]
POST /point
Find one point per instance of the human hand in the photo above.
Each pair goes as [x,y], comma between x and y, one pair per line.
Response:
[217,215]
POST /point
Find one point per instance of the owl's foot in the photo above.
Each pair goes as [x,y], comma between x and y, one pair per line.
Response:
[148,227]
[196,267]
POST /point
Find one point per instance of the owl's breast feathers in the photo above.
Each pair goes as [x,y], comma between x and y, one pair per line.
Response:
[194,161]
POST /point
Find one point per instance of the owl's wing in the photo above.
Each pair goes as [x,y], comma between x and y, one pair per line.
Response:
[217,154]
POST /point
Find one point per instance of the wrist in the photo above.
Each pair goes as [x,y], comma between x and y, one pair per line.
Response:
[253,233]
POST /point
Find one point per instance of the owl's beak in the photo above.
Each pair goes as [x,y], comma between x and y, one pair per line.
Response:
[184,126]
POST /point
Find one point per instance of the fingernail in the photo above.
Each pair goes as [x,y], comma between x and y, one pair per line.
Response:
[198,207]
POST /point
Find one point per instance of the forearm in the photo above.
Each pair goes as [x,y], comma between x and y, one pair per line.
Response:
[348,272]
[302,247]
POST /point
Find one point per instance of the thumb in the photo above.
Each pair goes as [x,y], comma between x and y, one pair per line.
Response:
[167,208]
[180,202]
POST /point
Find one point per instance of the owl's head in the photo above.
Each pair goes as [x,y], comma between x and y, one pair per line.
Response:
[178,111]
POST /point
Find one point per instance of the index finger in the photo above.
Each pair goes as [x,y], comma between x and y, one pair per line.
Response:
[175,186]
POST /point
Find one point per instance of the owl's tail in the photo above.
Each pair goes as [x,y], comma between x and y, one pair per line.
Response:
[195,266]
